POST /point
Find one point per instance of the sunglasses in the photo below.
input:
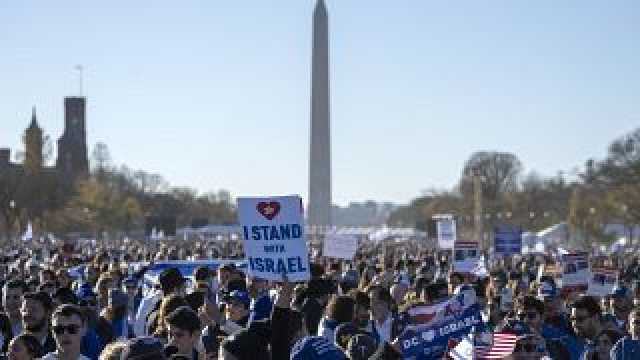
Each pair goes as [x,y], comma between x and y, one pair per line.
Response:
[70,329]
[578,319]
[529,315]
[87,303]
[525,347]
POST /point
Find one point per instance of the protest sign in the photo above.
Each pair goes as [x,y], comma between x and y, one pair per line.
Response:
[432,326]
[446,230]
[274,241]
[466,256]
[602,281]
[507,240]
[575,272]
[340,246]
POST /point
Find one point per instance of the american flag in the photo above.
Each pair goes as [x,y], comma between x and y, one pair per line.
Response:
[502,346]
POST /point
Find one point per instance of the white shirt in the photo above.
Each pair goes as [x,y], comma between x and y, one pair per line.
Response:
[146,306]
[54,356]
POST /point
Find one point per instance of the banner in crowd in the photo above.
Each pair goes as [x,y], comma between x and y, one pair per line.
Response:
[340,246]
[507,240]
[446,230]
[432,326]
[602,281]
[274,241]
[575,272]
[466,256]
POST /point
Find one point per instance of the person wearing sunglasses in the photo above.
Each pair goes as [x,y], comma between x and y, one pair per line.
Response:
[629,346]
[68,325]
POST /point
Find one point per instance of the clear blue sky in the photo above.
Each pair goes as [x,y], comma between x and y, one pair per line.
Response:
[215,94]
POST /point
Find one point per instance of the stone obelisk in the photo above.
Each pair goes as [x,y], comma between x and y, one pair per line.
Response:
[320,159]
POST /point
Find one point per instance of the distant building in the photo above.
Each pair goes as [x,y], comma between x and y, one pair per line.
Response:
[72,162]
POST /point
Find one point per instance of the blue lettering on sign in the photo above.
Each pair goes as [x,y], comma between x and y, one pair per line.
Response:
[272,232]
[279,266]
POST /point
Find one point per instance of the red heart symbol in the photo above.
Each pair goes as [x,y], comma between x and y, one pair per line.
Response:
[268,209]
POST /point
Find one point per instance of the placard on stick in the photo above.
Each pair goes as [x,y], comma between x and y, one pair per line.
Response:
[274,241]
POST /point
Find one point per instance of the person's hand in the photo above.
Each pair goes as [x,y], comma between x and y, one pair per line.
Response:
[285,293]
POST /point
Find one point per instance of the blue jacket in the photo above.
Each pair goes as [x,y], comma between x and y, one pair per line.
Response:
[626,349]
[91,345]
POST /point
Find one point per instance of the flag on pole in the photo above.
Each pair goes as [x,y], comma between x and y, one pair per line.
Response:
[503,345]
[28,233]
[469,349]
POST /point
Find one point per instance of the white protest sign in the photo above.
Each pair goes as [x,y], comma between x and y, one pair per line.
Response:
[274,241]
[575,272]
[466,256]
[446,230]
[340,246]
[602,281]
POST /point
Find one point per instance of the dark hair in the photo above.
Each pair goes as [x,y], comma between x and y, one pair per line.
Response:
[611,334]
[380,293]
[16,284]
[587,303]
[529,302]
[202,273]
[184,318]
[32,344]
[41,297]
[68,310]
[341,308]
[66,296]
[361,298]
[246,345]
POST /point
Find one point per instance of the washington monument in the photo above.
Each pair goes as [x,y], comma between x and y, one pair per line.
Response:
[320,158]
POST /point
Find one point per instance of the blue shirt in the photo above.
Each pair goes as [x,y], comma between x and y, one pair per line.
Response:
[626,349]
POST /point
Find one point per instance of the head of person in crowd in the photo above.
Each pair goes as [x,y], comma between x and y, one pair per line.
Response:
[634,323]
[381,303]
[604,342]
[64,295]
[362,313]
[399,290]
[497,281]
[203,274]
[46,275]
[12,292]
[68,325]
[348,281]
[435,292]
[547,292]
[245,345]
[256,286]
[621,302]
[530,311]
[586,316]
[36,310]
[32,267]
[455,279]
[224,274]
[169,304]
[104,283]
[130,285]
[63,278]
[113,350]
[529,347]
[362,347]
[116,305]
[24,347]
[141,348]
[341,309]
[237,309]
[183,328]
[48,286]
[91,274]
[172,282]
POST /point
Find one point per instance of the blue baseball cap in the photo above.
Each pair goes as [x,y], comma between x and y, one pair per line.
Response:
[620,292]
[240,296]
[316,348]
[547,290]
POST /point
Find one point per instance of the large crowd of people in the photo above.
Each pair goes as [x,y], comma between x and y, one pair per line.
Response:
[97,305]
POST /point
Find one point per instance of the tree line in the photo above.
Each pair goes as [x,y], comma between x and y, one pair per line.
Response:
[602,192]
